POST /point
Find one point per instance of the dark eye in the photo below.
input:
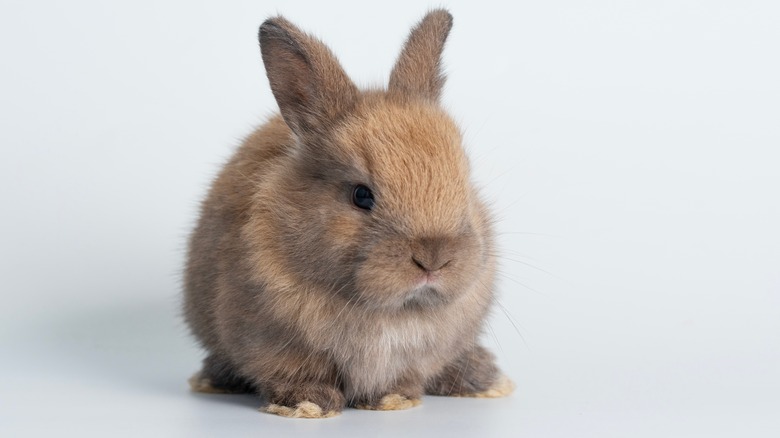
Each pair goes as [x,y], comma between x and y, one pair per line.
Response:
[362,197]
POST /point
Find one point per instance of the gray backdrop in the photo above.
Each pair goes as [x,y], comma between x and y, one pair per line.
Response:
[630,150]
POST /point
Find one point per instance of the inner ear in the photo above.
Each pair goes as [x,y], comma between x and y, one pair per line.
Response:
[310,86]
[418,70]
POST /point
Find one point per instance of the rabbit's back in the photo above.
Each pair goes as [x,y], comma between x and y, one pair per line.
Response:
[216,246]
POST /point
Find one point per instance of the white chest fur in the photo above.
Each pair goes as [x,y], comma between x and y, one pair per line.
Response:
[375,355]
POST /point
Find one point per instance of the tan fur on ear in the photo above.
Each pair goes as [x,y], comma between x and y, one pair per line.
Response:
[418,69]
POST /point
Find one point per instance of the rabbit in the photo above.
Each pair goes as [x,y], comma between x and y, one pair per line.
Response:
[343,257]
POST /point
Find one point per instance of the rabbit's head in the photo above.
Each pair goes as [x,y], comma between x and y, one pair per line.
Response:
[374,199]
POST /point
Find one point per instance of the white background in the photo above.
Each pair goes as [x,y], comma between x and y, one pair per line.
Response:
[630,150]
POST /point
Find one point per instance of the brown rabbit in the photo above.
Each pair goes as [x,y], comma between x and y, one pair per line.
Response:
[343,256]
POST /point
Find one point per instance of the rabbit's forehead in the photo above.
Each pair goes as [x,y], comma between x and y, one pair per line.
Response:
[413,156]
[395,143]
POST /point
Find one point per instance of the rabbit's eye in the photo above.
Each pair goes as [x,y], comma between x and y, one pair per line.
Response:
[362,197]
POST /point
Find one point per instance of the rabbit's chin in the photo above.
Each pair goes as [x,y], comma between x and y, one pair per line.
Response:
[424,296]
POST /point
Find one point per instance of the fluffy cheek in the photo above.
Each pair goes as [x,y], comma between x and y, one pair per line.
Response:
[384,275]
[339,234]
[319,244]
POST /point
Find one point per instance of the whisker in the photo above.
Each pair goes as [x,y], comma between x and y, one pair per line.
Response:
[495,337]
[526,233]
[500,256]
[512,321]
[503,275]
[509,317]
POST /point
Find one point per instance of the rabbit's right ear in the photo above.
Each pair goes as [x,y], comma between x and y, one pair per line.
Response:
[309,85]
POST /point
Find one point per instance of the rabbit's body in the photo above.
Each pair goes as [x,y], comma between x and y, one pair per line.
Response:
[319,300]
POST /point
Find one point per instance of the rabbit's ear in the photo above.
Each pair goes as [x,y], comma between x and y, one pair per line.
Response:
[418,70]
[309,85]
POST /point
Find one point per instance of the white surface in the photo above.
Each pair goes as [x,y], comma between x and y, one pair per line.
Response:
[637,143]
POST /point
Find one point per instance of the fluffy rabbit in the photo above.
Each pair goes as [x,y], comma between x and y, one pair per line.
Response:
[343,256]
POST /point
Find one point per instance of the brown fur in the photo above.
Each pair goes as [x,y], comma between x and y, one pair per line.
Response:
[317,304]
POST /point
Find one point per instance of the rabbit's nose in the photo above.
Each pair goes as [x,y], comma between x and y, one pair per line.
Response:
[432,253]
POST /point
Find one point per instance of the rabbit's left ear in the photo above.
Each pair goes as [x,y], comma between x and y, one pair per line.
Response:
[418,69]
